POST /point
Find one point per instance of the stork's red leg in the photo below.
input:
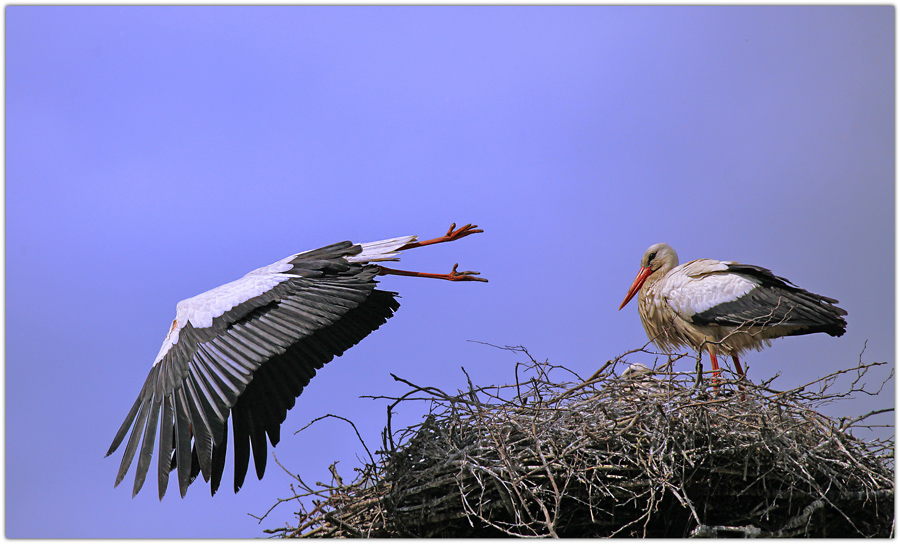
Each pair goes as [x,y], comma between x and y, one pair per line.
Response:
[715,361]
[741,376]
[737,365]
[715,365]
[467,275]
[451,235]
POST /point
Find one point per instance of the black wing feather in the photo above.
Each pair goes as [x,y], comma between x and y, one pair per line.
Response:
[182,441]
[123,430]
[218,463]
[167,433]
[301,360]
[776,302]
[258,442]
[200,426]
[147,447]
[139,423]
[214,400]
[241,427]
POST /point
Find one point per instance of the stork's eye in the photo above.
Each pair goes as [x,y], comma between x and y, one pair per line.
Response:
[651,257]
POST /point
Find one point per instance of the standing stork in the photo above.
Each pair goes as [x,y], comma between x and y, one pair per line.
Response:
[248,348]
[724,306]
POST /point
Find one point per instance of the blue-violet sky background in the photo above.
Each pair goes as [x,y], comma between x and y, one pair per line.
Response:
[153,153]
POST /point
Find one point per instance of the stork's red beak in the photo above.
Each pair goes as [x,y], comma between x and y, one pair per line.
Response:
[636,286]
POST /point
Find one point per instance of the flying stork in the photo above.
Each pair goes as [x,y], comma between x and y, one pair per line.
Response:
[247,349]
[724,306]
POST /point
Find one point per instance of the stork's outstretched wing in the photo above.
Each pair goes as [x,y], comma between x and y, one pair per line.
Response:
[247,349]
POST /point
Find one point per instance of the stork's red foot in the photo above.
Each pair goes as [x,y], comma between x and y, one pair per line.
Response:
[467,275]
[451,236]
[461,232]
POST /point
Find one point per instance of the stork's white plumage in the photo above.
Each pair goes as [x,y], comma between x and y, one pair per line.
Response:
[724,306]
[246,350]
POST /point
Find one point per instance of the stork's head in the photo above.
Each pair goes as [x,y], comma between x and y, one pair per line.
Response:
[658,259]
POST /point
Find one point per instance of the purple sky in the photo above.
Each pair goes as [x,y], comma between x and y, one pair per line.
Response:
[153,153]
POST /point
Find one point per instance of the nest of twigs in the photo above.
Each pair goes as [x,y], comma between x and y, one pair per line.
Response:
[639,453]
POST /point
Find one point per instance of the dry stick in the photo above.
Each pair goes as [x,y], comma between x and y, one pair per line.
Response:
[361,441]
[547,517]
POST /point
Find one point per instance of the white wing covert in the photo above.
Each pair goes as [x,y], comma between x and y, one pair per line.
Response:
[773,301]
[696,287]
